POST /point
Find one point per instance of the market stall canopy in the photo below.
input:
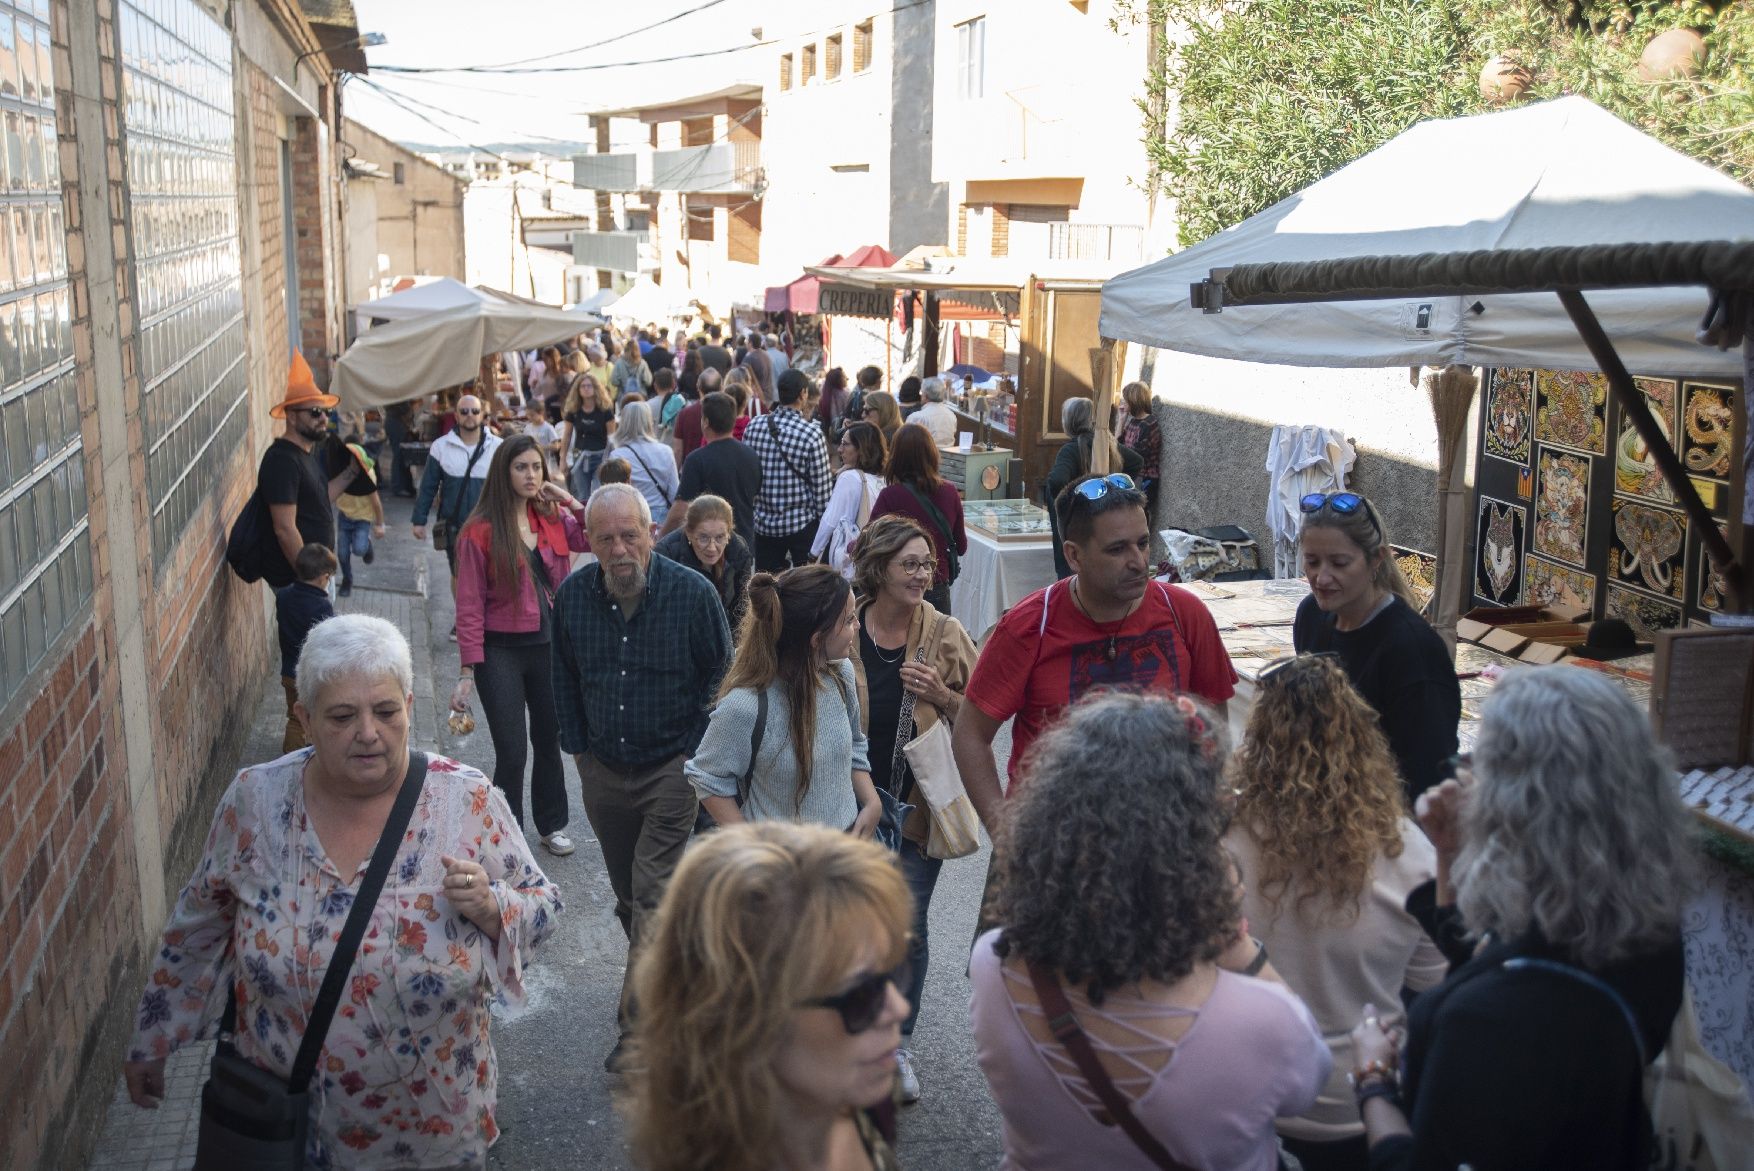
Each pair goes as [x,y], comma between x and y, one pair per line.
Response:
[804,294]
[1558,176]
[444,347]
[599,301]
[985,287]
[417,301]
[648,301]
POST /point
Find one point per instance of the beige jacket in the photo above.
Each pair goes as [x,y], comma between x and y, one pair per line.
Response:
[1338,967]
[953,654]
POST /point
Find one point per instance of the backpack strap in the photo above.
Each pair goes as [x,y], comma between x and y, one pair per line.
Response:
[755,734]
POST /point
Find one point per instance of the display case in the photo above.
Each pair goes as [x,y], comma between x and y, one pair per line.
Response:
[1008,520]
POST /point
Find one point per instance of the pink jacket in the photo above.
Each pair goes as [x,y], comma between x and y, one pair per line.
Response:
[482,606]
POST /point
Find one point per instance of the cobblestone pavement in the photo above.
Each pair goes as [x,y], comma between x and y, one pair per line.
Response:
[555,1102]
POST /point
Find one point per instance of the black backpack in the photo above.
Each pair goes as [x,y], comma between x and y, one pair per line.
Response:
[253,551]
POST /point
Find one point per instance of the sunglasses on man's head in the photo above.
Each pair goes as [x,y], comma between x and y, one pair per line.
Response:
[861,1005]
[1097,487]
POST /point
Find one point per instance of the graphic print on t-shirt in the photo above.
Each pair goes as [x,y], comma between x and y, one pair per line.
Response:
[1143,662]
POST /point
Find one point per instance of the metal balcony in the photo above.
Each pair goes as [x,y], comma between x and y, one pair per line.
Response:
[1122,242]
[615,251]
[720,168]
[612,172]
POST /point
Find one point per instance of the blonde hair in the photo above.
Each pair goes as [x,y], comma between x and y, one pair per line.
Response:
[758,918]
[575,398]
[1316,788]
[1365,528]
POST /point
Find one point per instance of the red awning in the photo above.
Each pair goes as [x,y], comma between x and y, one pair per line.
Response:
[804,294]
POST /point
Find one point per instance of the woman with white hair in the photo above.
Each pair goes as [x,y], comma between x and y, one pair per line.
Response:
[405,1076]
[1568,855]
[651,462]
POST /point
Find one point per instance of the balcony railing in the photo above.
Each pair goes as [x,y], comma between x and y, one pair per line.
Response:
[1122,242]
[716,169]
[615,251]
[611,172]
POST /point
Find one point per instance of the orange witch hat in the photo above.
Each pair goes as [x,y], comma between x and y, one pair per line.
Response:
[301,390]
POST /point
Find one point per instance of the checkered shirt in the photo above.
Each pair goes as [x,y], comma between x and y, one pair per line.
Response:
[795,481]
[637,692]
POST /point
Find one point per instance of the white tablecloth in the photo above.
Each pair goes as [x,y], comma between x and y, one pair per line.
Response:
[996,576]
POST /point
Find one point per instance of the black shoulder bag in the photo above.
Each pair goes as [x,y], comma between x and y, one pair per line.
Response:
[249,1117]
[943,523]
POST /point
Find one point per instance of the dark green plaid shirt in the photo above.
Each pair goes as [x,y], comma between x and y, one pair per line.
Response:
[636,692]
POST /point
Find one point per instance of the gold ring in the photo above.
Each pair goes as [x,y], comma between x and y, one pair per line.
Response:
[468,880]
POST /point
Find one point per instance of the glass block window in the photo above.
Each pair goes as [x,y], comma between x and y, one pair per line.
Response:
[45,554]
[183,203]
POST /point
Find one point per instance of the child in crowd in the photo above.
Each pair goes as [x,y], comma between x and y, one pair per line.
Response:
[537,427]
[614,471]
[297,608]
[361,517]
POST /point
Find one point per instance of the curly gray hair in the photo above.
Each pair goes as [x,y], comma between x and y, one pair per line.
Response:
[1111,863]
[1575,827]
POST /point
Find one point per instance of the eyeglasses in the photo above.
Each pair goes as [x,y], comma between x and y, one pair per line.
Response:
[704,539]
[1278,666]
[914,566]
[1097,487]
[1344,503]
[463,411]
[861,1005]
[313,412]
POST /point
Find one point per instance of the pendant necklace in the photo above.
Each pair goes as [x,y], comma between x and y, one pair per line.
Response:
[1113,632]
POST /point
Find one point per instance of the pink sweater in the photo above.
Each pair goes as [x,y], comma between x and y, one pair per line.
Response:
[1252,1054]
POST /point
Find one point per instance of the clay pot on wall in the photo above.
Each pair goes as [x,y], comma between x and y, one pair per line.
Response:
[1503,79]
[1678,53]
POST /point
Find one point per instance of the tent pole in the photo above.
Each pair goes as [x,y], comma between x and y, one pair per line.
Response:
[1632,402]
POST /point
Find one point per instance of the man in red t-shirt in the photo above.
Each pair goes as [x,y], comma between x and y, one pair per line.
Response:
[1108,625]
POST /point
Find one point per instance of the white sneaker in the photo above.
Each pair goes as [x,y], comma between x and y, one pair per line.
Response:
[557,843]
[904,1072]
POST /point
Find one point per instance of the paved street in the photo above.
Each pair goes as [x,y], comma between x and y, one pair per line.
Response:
[555,1101]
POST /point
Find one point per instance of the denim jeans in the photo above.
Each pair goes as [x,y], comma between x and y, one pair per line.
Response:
[921,873]
[356,537]
[583,472]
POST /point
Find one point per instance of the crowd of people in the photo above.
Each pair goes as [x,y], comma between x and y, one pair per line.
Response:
[1335,945]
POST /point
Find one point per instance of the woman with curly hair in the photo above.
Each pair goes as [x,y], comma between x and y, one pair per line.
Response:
[770,1006]
[1328,859]
[1115,894]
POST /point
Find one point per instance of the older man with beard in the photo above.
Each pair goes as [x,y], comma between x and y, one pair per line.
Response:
[639,645]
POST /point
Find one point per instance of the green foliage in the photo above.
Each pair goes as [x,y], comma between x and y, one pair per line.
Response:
[1270,95]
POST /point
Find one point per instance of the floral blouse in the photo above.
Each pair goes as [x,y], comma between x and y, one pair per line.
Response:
[407,1076]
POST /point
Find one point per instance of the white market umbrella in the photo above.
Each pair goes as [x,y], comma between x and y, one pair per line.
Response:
[1557,174]
[445,347]
[416,301]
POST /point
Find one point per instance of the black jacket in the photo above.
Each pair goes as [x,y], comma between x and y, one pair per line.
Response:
[1509,1070]
[732,587]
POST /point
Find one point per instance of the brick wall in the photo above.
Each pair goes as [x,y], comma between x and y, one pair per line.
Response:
[1001,229]
[310,223]
[70,888]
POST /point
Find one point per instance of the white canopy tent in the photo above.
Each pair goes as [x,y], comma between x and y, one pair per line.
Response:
[1563,173]
[1445,247]
[444,347]
[416,301]
[649,301]
[599,301]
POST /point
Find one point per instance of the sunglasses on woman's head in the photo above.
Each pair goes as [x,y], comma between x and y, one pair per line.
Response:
[861,1005]
[1096,488]
[1278,666]
[1344,503]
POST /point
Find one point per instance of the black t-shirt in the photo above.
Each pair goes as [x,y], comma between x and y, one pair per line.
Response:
[724,467]
[659,358]
[716,358]
[590,429]
[883,692]
[291,475]
[1402,668]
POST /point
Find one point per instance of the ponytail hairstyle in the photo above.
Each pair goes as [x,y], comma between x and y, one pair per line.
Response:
[1365,529]
[779,641]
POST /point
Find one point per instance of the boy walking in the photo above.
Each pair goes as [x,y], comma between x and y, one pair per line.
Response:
[297,608]
[362,516]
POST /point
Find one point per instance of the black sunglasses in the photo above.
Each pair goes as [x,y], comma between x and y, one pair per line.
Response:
[313,412]
[1278,666]
[861,1005]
